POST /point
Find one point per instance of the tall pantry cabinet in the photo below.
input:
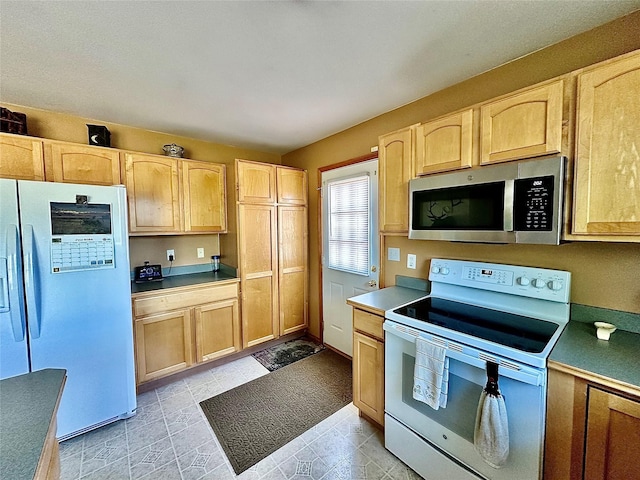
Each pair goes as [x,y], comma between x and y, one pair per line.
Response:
[272,250]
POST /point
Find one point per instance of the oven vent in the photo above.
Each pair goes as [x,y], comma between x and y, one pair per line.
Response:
[512,366]
[487,358]
[502,363]
[407,330]
[455,346]
[439,341]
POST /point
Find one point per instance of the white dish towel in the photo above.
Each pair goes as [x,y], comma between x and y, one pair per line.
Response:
[491,434]
[431,374]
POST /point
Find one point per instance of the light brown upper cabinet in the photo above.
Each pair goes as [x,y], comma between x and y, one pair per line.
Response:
[607,161]
[291,185]
[73,163]
[203,186]
[256,182]
[526,124]
[153,194]
[445,144]
[21,158]
[395,164]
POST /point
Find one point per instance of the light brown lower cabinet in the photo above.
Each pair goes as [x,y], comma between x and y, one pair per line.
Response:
[368,365]
[593,430]
[180,327]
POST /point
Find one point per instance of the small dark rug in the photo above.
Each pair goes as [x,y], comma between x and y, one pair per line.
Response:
[255,419]
[286,353]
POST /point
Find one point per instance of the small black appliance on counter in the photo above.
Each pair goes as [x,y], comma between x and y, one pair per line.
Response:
[147,273]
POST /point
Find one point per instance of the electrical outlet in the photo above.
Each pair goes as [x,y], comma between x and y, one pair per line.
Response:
[200,252]
[411,261]
[171,255]
[393,254]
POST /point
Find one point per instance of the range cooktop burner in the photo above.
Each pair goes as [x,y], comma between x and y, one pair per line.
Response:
[516,331]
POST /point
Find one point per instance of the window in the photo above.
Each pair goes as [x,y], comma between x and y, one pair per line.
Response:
[349,225]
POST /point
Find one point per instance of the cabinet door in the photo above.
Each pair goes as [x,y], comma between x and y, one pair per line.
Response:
[607,177]
[613,437]
[163,344]
[152,193]
[368,376]
[395,161]
[21,158]
[257,244]
[291,186]
[256,182]
[527,124]
[217,330]
[445,144]
[293,270]
[203,186]
[84,164]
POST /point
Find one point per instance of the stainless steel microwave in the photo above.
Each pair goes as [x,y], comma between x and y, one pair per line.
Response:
[518,202]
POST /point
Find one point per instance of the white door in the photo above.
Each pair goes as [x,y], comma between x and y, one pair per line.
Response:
[349,246]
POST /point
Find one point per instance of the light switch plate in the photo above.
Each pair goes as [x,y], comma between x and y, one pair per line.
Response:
[200,252]
[411,261]
[393,254]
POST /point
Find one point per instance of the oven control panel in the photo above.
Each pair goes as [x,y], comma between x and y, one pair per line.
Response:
[530,282]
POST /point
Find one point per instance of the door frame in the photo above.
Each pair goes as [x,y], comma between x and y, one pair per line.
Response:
[321,170]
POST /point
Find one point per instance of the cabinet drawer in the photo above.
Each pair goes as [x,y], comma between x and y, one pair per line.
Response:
[368,323]
[183,299]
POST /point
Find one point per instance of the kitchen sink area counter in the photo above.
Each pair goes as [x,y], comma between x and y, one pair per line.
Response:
[28,408]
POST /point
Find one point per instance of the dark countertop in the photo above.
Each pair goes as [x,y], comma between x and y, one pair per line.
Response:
[27,405]
[617,359]
[181,281]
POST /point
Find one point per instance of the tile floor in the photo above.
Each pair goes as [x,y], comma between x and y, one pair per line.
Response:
[170,439]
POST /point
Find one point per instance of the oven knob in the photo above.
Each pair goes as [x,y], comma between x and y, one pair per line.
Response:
[555,285]
[524,281]
[435,269]
[444,271]
[539,283]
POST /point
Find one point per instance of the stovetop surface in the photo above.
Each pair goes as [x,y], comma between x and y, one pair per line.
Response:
[523,333]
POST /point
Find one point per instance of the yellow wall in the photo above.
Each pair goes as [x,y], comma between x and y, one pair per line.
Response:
[604,274]
[70,128]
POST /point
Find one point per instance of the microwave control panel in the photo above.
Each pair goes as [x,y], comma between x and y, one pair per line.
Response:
[533,204]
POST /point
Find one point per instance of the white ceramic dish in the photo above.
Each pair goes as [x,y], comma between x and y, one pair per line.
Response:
[604,330]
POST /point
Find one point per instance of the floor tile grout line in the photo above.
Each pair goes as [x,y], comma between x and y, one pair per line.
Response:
[175,455]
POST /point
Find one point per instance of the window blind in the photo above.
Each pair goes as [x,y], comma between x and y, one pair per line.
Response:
[349,225]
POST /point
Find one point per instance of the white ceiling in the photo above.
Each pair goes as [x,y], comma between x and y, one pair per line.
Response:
[266,75]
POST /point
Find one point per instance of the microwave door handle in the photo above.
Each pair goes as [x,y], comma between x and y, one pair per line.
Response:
[508,205]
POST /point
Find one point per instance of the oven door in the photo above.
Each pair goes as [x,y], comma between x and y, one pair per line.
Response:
[450,430]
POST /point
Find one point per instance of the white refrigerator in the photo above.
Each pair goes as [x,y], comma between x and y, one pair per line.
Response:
[65,296]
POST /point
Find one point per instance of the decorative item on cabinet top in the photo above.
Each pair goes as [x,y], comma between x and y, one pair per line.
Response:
[173,150]
[12,122]
[99,135]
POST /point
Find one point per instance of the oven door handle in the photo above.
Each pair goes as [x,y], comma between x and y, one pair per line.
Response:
[513,371]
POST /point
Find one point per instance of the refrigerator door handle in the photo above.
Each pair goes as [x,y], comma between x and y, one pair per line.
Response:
[31,281]
[13,292]
[4,282]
